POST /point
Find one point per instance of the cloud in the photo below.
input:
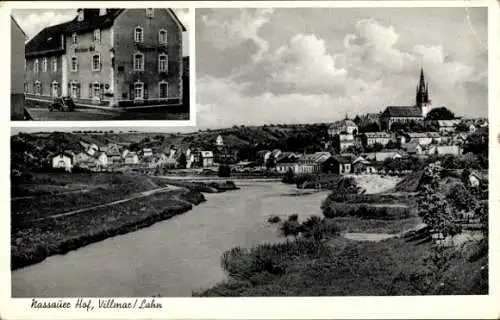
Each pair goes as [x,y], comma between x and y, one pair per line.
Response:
[309,78]
[35,22]
[305,63]
[228,31]
[372,46]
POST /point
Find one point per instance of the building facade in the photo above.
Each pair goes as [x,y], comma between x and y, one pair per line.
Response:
[109,57]
[17,69]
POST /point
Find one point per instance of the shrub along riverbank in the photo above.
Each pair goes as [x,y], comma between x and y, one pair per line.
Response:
[341,267]
[59,235]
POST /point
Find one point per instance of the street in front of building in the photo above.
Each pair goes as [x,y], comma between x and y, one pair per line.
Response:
[87,114]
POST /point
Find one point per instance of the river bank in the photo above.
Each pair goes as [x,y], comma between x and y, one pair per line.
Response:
[172,257]
[345,267]
[59,235]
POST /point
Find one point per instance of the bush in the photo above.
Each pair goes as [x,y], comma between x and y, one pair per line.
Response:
[274,219]
[293,217]
[318,229]
[290,228]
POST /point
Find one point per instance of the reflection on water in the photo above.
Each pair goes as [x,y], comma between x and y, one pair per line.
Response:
[173,257]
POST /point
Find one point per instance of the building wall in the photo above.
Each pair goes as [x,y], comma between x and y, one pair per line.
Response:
[46,78]
[17,59]
[84,50]
[16,72]
[123,43]
[61,161]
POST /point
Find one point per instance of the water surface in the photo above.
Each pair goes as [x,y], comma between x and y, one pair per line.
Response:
[173,257]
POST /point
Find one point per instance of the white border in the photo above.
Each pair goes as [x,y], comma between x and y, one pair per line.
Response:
[459,307]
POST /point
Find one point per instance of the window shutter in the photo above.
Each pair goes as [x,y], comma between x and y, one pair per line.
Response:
[78,92]
[69,90]
[101,93]
[146,94]
[132,91]
[90,90]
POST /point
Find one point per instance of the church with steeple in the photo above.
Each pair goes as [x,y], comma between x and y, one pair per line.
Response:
[417,112]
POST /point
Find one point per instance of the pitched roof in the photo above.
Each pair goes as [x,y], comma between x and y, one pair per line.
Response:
[377,135]
[402,111]
[448,123]
[480,174]
[429,134]
[17,24]
[411,147]
[49,40]
[207,154]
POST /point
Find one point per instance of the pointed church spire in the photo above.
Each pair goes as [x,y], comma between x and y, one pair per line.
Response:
[422,79]
[421,95]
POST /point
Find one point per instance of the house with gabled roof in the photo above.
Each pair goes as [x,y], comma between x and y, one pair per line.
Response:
[110,57]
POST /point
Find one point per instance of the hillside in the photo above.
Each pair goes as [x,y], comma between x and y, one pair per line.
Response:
[32,150]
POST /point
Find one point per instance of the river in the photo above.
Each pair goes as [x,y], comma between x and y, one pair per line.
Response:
[173,257]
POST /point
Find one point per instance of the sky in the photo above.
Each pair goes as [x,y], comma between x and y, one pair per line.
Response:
[291,65]
[33,21]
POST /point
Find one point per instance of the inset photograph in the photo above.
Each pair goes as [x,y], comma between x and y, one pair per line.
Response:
[99,64]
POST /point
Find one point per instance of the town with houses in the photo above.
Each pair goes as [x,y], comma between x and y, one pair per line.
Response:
[346,151]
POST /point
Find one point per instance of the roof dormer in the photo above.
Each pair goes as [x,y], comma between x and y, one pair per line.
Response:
[79,16]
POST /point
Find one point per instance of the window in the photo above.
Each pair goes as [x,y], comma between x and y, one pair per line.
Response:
[138,91]
[162,36]
[25,87]
[150,12]
[96,90]
[74,36]
[138,62]
[75,90]
[44,64]
[54,64]
[35,66]
[97,35]
[55,89]
[102,11]
[138,35]
[74,64]
[96,62]
[163,63]
[163,90]
[38,87]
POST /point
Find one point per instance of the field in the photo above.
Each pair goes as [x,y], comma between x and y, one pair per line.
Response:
[58,212]
[49,194]
[50,236]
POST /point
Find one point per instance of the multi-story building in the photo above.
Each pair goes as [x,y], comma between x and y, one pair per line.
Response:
[17,68]
[109,57]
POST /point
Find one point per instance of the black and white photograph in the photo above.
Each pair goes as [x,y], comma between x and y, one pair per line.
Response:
[337,152]
[101,64]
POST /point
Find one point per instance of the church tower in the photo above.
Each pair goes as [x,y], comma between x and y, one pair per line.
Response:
[422,95]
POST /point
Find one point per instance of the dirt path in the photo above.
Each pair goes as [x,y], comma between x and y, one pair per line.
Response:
[130,198]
